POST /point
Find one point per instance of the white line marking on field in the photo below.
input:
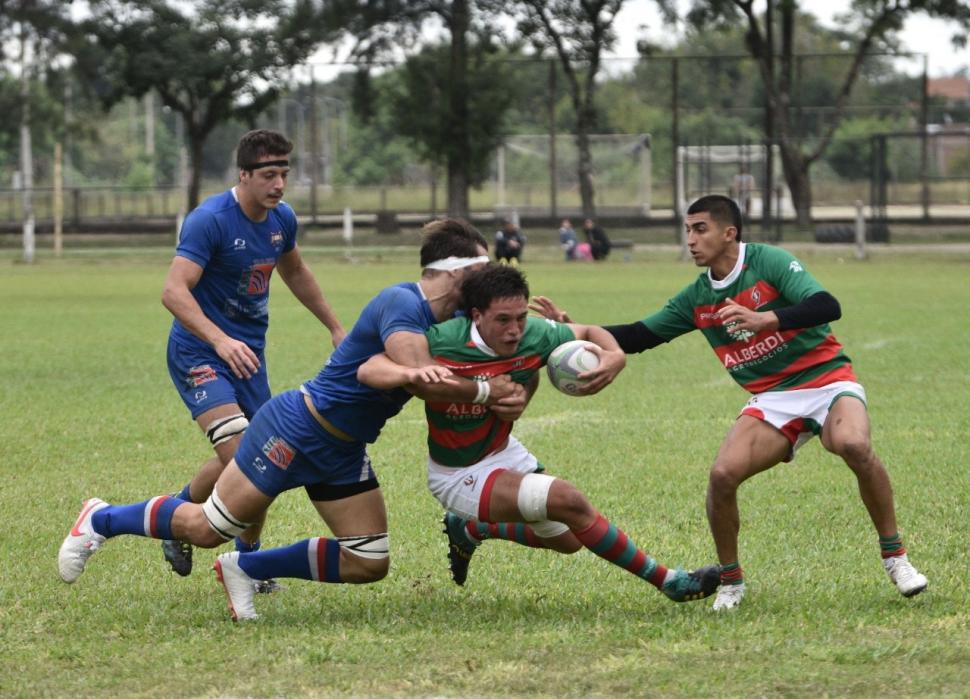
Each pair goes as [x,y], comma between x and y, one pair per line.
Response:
[878,344]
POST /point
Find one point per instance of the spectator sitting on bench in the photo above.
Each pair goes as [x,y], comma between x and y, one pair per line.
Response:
[598,240]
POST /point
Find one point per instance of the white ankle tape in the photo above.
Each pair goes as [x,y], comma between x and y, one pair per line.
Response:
[533,493]
[220,519]
[374,546]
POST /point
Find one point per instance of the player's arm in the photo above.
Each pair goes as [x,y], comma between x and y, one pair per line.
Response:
[382,373]
[632,337]
[304,286]
[819,308]
[177,297]
[411,350]
[611,356]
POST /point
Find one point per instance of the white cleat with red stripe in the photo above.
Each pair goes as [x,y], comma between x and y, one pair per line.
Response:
[240,588]
[81,542]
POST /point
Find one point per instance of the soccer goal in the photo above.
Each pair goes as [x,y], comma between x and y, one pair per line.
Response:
[531,173]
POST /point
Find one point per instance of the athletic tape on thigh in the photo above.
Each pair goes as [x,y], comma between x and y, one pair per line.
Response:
[221,521]
[371,546]
[533,493]
[225,428]
[547,529]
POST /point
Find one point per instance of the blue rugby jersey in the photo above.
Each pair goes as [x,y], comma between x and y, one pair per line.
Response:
[238,257]
[359,410]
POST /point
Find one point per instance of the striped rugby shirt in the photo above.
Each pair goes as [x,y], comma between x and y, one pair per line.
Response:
[765,278]
[461,434]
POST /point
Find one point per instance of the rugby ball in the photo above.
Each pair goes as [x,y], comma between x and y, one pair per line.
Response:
[569,360]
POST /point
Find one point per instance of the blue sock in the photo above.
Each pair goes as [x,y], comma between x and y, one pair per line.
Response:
[311,559]
[244,547]
[184,493]
[152,518]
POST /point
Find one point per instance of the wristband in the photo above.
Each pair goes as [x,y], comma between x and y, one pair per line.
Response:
[484,391]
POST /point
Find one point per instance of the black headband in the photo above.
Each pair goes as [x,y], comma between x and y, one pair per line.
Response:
[267,163]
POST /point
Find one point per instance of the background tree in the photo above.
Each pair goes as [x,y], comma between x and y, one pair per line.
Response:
[446,128]
[210,62]
[870,26]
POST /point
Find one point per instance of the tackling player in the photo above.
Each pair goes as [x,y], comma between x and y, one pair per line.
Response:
[767,319]
[315,437]
[492,487]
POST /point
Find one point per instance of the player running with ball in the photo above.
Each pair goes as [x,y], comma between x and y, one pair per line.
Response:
[492,487]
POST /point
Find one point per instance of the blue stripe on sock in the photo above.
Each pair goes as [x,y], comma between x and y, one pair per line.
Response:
[184,493]
[284,562]
[333,562]
[244,547]
[130,519]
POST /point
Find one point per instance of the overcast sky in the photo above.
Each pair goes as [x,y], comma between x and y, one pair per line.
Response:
[920,34]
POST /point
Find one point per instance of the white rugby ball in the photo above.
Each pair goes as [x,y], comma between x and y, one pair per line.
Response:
[569,360]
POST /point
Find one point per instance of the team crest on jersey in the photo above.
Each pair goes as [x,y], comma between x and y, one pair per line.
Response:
[278,451]
[795,266]
[199,375]
[756,297]
[257,281]
[276,239]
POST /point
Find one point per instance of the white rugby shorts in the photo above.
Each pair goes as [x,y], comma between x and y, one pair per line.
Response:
[800,414]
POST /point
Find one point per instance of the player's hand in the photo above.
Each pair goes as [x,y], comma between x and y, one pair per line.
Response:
[337,336]
[431,374]
[511,407]
[740,317]
[238,356]
[611,364]
[501,386]
[547,309]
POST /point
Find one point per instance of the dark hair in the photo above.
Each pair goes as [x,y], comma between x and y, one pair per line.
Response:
[493,281]
[450,237]
[259,144]
[722,209]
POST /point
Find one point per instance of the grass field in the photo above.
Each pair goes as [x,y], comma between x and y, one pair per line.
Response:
[87,409]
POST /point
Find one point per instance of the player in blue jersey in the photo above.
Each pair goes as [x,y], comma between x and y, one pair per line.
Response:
[316,437]
[218,290]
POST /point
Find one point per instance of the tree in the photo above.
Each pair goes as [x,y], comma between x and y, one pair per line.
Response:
[213,62]
[577,32]
[870,26]
[446,128]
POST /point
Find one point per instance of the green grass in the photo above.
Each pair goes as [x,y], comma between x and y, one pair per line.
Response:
[88,409]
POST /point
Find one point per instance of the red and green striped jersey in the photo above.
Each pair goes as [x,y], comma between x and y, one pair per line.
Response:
[461,434]
[765,278]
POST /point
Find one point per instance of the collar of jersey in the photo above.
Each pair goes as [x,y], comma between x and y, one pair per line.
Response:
[735,273]
[480,343]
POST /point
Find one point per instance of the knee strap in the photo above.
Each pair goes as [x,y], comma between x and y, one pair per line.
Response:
[533,494]
[220,519]
[225,428]
[374,546]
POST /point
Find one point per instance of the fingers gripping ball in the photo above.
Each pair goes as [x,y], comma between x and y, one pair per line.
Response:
[569,360]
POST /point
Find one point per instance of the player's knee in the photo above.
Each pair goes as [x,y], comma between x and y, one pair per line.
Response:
[364,559]
[195,528]
[855,449]
[723,478]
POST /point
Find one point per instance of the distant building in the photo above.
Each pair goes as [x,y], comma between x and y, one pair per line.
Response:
[955,90]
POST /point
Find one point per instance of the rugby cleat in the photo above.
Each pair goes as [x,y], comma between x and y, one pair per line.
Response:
[179,555]
[81,542]
[240,588]
[689,585]
[907,579]
[266,587]
[728,597]
[460,547]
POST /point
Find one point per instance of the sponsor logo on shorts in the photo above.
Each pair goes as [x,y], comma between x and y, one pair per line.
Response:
[469,481]
[200,396]
[278,451]
[199,375]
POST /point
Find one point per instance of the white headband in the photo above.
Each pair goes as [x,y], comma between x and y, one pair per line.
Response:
[450,263]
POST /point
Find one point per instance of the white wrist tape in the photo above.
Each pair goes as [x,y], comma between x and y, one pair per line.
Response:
[484,391]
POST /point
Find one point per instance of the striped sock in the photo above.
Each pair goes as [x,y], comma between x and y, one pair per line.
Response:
[519,532]
[891,546]
[311,559]
[731,574]
[607,541]
[152,518]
